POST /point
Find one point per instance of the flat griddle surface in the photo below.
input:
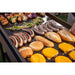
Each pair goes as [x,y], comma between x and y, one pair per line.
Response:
[9,32]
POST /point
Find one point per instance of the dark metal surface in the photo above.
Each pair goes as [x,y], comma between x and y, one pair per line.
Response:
[2,53]
[13,53]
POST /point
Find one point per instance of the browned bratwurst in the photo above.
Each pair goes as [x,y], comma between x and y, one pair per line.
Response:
[14,40]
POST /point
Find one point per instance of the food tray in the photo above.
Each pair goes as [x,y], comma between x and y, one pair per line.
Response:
[8,32]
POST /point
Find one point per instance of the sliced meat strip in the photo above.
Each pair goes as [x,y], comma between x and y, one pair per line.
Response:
[14,40]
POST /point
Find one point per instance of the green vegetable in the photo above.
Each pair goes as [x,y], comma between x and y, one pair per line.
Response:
[38,20]
[10,28]
[10,19]
[29,24]
[16,28]
[35,21]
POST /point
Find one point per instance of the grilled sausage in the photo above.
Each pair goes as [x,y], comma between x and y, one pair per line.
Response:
[37,30]
[29,31]
[14,40]
[24,37]
[47,28]
[27,36]
[20,40]
[56,24]
[41,28]
[53,28]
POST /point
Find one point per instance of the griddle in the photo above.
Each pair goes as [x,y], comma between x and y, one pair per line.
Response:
[15,53]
